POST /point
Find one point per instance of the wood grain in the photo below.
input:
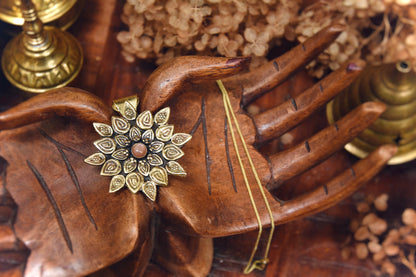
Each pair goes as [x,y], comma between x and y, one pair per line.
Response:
[211,202]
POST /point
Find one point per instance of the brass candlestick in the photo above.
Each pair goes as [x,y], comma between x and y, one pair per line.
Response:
[40,58]
[394,85]
[59,13]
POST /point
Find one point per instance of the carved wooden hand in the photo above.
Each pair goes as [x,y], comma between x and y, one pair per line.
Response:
[67,224]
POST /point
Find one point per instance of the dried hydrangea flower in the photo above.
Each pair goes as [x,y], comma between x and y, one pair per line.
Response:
[159,30]
[380,31]
[386,250]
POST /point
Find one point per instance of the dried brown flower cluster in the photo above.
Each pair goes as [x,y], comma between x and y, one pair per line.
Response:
[386,245]
[378,30]
[160,30]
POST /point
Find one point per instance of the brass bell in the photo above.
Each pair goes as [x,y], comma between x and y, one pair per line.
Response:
[394,85]
[40,58]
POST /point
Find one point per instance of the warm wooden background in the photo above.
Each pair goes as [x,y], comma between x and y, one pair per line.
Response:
[307,247]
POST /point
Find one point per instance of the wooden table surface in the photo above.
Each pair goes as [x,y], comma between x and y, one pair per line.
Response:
[307,247]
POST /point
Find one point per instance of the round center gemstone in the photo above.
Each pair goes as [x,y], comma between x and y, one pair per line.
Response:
[139,150]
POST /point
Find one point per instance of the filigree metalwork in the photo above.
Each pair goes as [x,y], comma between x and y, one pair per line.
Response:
[164,133]
[111,167]
[120,125]
[145,120]
[117,182]
[122,140]
[172,152]
[148,136]
[175,168]
[103,129]
[159,175]
[149,189]
[105,145]
[121,154]
[162,116]
[135,133]
[96,159]
[154,160]
[130,165]
[138,151]
[156,146]
[134,181]
[180,139]
[129,111]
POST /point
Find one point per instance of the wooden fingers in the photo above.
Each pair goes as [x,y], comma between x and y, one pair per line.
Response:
[183,255]
[294,161]
[59,102]
[337,189]
[170,78]
[274,122]
[256,83]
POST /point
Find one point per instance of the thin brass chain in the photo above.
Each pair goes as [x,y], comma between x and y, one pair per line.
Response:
[257,264]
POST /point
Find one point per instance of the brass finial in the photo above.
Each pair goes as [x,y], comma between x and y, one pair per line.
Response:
[41,57]
[394,85]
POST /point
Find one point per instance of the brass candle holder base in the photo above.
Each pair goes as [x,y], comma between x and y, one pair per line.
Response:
[394,85]
[41,58]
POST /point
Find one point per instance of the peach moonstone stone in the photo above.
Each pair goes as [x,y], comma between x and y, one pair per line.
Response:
[139,150]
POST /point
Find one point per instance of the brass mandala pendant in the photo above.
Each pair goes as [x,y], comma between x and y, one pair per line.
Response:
[138,150]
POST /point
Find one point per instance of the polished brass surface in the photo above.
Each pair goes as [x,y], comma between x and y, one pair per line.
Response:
[60,13]
[41,58]
[117,153]
[394,85]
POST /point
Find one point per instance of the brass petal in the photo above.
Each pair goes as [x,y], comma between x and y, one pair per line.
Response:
[145,120]
[180,139]
[172,152]
[134,182]
[143,167]
[121,154]
[149,189]
[129,165]
[164,133]
[154,160]
[135,133]
[175,168]
[105,145]
[162,116]
[102,129]
[95,159]
[128,111]
[120,125]
[156,146]
[159,176]
[148,136]
[117,182]
[111,167]
[122,140]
